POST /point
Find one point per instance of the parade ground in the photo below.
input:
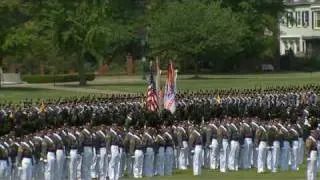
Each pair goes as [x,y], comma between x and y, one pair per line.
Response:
[135,84]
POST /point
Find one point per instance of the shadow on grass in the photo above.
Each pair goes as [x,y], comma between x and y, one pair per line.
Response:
[105,84]
[21,89]
[211,78]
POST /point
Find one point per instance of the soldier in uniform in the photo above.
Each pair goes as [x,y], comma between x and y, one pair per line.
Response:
[212,143]
[234,145]
[223,139]
[4,159]
[25,153]
[87,157]
[195,143]
[182,145]
[60,156]
[113,148]
[149,145]
[160,153]
[49,155]
[73,145]
[311,150]
[136,149]
[169,154]
[246,133]
[294,139]
[284,162]
[261,142]
[102,152]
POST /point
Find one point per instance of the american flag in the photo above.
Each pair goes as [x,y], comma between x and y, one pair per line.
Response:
[152,99]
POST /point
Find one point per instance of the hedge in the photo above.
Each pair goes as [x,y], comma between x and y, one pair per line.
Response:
[56,78]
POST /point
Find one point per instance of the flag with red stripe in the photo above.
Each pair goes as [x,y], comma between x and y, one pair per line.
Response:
[152,98]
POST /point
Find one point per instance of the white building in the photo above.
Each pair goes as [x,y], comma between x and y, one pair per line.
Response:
[300,27]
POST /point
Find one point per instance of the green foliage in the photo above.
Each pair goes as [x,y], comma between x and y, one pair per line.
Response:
[61,34]
[191,29]
[55,78]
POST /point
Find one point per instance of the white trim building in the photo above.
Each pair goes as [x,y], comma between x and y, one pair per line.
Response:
[300,28]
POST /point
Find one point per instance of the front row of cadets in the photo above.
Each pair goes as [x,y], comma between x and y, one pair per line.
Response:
[101,152]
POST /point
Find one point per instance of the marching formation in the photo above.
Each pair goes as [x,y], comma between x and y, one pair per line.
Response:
[111,137]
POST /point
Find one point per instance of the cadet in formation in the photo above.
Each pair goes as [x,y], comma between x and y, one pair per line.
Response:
[108,137]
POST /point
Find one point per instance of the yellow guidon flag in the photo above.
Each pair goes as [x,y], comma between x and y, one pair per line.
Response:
[218,99]
[42,107]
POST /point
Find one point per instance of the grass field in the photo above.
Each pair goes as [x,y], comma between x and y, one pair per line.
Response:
[16,94]
[208,82]
[240,175]
[125,84]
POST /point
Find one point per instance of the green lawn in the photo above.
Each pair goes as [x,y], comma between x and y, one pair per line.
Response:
[185,82]
[16,94]
[240,175]
[208,82]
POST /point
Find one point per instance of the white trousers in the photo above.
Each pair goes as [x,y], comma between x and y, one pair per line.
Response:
[255,156]
[285,156]
[50,166]
[224,156]
[26,171]
[197,160]
[234,155]
[86,163]
[3,169]
[312,166]
[73,164]
[214,150]
[247,153]
[103,163]
[60,158]
[301,151]
[160,160]
[94,164]
[183,156]
[138,164]
[114,163]
[168,161]
[318,160]
[295,156]
[79,165]
[269,158]
[148,162]
[130,165]
[262,155]
[275,156]
[122,159]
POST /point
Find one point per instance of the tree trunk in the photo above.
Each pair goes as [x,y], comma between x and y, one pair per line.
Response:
[1,71]
[82,71]
[196,68]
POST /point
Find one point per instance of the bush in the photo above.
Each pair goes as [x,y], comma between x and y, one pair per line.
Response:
[56,78]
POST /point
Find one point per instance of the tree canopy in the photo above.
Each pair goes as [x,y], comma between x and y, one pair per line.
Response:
[224,34]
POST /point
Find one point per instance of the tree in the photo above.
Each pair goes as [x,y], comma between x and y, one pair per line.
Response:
[191,29]
[77,28]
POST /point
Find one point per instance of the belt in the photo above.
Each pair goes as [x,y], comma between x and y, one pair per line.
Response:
[26,156]
[53,151]
[248,136]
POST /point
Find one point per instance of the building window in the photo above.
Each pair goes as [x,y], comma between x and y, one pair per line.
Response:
[316,20]
[298,18]
[305,18]
[290,19]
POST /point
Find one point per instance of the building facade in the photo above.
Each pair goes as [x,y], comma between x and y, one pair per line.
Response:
[300,28]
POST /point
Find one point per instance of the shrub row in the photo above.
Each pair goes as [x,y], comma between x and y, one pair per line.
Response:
[55,78]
